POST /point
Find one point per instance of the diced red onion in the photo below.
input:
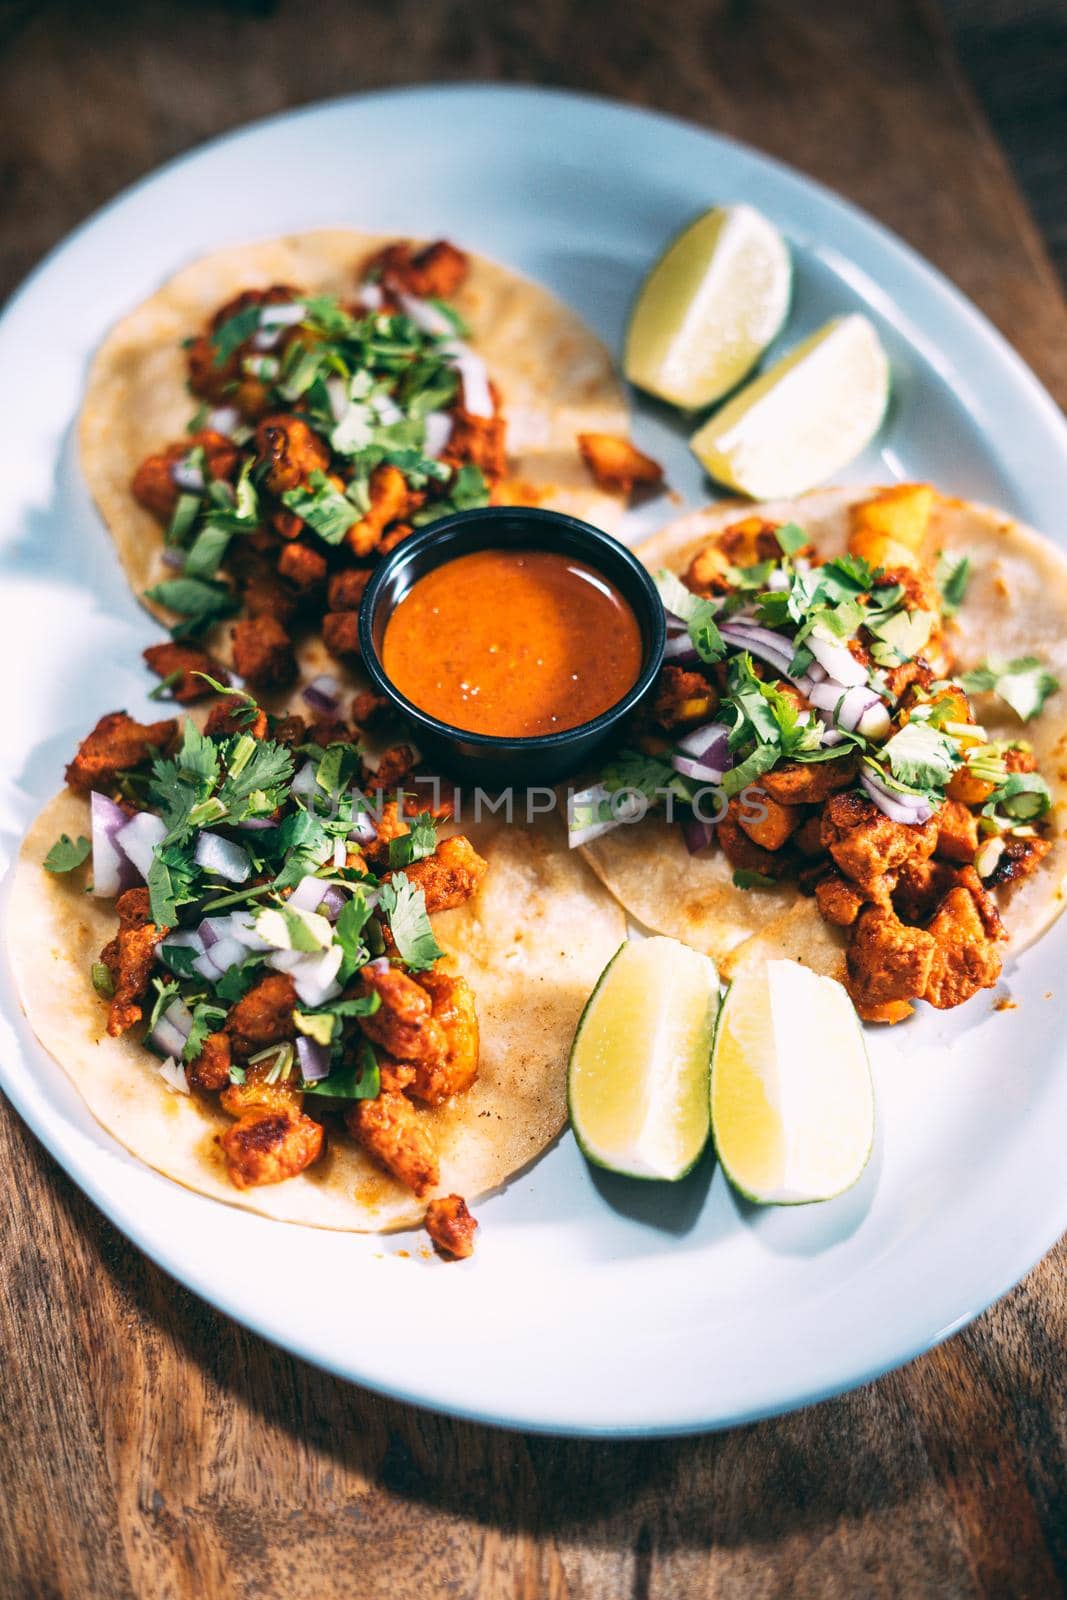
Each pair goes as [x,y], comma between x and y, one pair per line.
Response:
[379,964]
[223,857]
[874,723]
[627,809]
[314,1059]
[212,929]
[854,702]
[207,968]
[362,829]
[185,940]
[831,736]
[112,870]
[704,753]
[179,1016]
[228,952]
[308,894]
[681,650]
[242,930]
[438,433]
[138,839]
[314,979]
[168,1038]
[838,661]
[370,297]
[323,694]
[697,835]
[285,960]
[824,696]
[171,556]
[771,647]
[189,479]
[816,673]
[255,824]
[333,902]
[897,807]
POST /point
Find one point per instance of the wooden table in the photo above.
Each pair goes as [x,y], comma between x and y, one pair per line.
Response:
[147,1446]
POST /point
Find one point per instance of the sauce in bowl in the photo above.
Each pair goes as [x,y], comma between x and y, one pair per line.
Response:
[513,643]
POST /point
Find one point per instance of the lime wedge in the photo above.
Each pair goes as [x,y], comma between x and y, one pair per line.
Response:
[638,1074]
[709,308]
[801,422]
[792,1106]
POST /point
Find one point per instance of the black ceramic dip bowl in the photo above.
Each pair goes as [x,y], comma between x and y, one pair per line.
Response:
[500,759]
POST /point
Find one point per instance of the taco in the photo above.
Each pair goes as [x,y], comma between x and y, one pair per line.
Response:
[291,991]
[281,414]
[860,736]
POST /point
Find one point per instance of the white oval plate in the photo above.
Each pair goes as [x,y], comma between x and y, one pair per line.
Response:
[592,1306]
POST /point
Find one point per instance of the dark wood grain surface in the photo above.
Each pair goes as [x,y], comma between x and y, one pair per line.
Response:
[150,1448]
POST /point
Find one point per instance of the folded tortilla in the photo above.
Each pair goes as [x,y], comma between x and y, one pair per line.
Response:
[555,376]
[1015,605]
[531,944]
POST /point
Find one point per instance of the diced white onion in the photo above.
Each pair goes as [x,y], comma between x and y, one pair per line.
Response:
[223,857]
[207,968]
[304,783]
[370,297]
[474,376]
[314,1059]
[112,870]
[629,809]
[314,982]
[425,316]
[224,419]
[139,838]
[165,1036]
[307,896]
[228,953]
[281,316]
[838,660]
[173,1074]
[242,930]
[186,477]
[438,433]
[285,960]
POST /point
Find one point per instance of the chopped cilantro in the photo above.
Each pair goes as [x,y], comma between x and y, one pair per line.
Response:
[179,958]
[746,878]
[206,1019]
[171,883]
[186,511]
[698,614]
[200,601]
[418,842]
[952,579]
[920,757]
[326,511]
[238,979]
[1024,684]
[469,490]
[233,333]
[791,538]
[67,853]
[354,1080]
[1023,796]
[162,688]
[348,930]
[405,907]
[647,775]
[166,992]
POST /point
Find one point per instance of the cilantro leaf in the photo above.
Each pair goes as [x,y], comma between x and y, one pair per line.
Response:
[921,757]
[179,958]
[326,511]
[348,930]
[952,579]
[747,878]
[167,991]
[647,775]
[469,491]
[1023,796]
[354,1080]
[67,853]
[199,600]
[1024,684]
[405,907]
[238,979]
[171,883]
[791,538]
[255,783]
[233,333]
[697,613]
[206,1019]
[420,841]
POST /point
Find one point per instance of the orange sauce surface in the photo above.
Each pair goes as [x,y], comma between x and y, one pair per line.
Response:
[513,643]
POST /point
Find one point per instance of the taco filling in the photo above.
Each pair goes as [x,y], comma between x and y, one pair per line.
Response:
[811,726]
[273,941]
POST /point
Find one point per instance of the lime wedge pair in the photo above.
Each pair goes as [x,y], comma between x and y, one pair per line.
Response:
[706,313]
[789,1100]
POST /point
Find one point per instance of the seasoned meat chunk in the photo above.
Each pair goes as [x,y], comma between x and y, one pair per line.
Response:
[921,886]
[368,709]
[395,1134]
[438,1077]
[230,716]
[766,821]
[394,765]
[403,1024]
[807,783]
[167,659]
[340,633]
[682,698]
[743,852]
[743,544]
[868,847]
[451,1226]
[263,1016]
[270,1146]
[289,452]
[258,1093]
[211,1068]
[129,958]
[116,744]
[478,441]
[390,501]
[435,272]
[215,379]
[957,832]
[153,484]
[344,592]
[304,567]
[617,465]
[263,652]
[965,958]
[266,594]
[886,961]
[838,900]
[1019,858]
[450,876]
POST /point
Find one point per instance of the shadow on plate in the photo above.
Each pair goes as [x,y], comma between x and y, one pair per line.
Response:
[670,1207]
